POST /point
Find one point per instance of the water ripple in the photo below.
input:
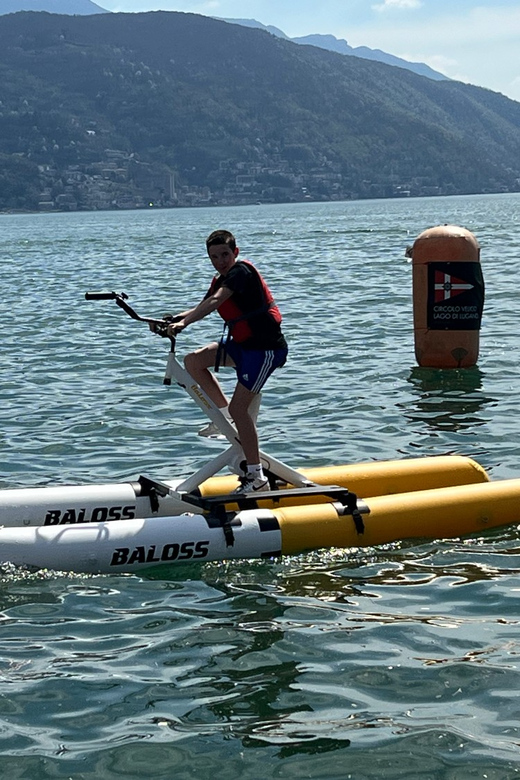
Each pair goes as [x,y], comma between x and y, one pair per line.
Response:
[400,661]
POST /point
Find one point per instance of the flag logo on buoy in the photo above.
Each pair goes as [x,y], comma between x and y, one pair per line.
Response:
[455,296]
[447,286]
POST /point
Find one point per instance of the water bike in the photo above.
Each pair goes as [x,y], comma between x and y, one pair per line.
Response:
[133,526]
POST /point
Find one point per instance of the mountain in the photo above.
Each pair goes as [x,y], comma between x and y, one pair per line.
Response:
[332,43]
[111,110]
[339,45]
[72,7]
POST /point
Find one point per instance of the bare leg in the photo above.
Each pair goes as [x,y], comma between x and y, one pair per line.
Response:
[246,428]
[198,364]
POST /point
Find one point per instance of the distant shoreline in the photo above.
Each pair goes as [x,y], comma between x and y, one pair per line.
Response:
[22,212]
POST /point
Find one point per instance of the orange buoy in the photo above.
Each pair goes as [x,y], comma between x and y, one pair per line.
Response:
[448,297]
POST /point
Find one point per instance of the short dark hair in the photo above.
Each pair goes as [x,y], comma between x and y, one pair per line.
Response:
[221,237]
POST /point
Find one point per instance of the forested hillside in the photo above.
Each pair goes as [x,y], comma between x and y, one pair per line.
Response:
[180,108]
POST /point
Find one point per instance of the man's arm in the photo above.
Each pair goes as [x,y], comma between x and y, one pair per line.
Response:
[205,307]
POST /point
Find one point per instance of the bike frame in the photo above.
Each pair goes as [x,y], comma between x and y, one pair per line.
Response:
[233,454]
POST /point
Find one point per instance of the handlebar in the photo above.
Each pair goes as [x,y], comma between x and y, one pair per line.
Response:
[104,296]
[121,301]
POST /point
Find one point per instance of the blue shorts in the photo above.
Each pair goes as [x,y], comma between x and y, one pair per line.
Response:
[254,366]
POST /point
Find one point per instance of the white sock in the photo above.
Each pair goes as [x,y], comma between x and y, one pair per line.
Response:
[255,471]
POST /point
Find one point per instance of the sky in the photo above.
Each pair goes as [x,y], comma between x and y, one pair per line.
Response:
[474,42]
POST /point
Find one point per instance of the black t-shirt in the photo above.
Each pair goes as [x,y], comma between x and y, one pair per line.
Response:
[248,295]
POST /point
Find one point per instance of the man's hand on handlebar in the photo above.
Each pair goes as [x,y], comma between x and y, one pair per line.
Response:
[174,328]
[168,327]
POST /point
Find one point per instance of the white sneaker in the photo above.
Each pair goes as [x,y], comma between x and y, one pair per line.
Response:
[250,484]
[211,431]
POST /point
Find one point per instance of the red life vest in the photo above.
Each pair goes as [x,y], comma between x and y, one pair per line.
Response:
[236,319]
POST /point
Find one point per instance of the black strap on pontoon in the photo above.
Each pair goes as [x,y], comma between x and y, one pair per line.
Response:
[153,489]
[346,503]
[224,520]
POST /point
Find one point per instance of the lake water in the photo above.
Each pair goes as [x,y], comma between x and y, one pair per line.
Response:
[393,662]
